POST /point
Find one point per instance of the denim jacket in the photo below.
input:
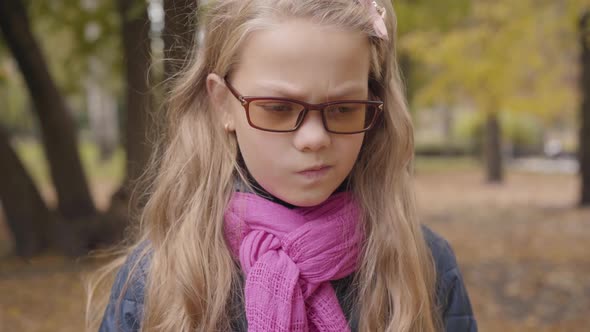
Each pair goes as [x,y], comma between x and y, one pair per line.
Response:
[451,294]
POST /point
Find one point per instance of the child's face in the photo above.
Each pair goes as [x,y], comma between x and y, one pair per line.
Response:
[314,64]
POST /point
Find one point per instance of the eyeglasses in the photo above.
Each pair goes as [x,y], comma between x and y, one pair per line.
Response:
[286,115]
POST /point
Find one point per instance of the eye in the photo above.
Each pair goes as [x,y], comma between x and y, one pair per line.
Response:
[276,107]
[344,109]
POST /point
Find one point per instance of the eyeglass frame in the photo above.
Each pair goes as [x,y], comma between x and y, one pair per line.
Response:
[246,100]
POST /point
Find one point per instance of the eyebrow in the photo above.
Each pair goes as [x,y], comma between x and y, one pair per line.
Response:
[288,90]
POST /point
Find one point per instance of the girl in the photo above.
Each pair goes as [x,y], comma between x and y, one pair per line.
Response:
[283,198]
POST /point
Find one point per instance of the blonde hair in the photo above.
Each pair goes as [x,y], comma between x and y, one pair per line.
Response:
[191,273]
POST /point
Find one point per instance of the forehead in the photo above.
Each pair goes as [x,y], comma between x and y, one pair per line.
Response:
[305,54]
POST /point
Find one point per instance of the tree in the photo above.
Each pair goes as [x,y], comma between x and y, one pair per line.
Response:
[179,38]
[27,215]
[424,17]
[504,56]
[57,126]
[76,226]
[585,109]
[135,28]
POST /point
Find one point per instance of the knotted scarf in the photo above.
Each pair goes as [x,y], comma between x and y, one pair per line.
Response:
[289,256]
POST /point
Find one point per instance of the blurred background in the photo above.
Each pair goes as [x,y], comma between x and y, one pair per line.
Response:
[500,96]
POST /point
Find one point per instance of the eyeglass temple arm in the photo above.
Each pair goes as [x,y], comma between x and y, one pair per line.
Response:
[234,92]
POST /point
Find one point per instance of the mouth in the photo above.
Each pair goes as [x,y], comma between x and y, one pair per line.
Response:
[315,168]
[315,172]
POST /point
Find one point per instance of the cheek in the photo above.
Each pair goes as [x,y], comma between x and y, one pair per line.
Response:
[349,149]
[262,158]
[259,149]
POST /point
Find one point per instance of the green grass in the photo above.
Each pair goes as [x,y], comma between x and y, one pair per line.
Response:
[33,157]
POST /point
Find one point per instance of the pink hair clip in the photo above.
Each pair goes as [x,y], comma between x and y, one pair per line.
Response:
[378,16]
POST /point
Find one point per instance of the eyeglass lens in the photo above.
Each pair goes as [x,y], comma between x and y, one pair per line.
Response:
[285,116]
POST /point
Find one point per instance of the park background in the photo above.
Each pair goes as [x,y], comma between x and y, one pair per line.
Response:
[500,96]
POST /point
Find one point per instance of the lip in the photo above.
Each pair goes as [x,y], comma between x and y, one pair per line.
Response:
[315,168]
[315,172]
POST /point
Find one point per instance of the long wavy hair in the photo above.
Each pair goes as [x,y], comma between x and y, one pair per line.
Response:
[192,274]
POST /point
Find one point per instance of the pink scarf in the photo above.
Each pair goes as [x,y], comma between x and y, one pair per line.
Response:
[289,256]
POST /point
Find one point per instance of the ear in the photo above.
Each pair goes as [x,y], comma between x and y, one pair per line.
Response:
[218,95]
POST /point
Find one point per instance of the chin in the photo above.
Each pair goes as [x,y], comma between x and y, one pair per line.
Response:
[307,200]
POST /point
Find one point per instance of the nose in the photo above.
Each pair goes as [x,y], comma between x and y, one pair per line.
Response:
[311,135]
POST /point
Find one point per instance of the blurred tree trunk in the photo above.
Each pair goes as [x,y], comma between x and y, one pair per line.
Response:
[135,27]
[102,109]
[180,34]
[584,152]
[447,119]
[26,213]
[493,149]
[57,126]
[179,37]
